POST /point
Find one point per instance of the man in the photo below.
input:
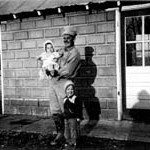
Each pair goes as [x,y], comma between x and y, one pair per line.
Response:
[69,64]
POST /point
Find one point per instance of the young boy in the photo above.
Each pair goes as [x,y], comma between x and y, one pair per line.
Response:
[49,60]
[72,114]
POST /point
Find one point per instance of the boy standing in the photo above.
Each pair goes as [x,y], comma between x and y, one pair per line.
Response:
[72,114]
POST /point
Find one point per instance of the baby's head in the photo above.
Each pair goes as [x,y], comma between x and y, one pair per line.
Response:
[69,88]
[48,46]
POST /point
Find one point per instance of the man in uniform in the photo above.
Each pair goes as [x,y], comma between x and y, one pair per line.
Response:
[69,64]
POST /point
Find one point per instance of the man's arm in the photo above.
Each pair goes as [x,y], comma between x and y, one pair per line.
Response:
[70,67]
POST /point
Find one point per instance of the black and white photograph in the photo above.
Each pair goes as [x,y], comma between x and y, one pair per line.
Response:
[74,75]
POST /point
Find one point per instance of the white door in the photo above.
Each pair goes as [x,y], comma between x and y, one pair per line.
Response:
[137,48]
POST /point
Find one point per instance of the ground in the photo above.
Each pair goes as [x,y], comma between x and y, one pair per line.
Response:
[84,144]
[19,132]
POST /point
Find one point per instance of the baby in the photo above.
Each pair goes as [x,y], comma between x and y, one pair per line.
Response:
[49,60]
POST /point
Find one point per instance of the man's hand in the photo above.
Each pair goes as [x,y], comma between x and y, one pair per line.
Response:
[52,73]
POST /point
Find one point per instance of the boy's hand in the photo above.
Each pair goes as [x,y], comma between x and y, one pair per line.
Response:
[78,119]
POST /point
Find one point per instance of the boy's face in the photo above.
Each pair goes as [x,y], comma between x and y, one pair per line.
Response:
[49,48]
[70,91]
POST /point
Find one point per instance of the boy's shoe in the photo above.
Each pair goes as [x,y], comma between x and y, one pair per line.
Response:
[69,147]
[73,146]
[66,146]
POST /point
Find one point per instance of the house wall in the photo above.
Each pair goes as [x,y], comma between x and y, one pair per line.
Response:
[22,41]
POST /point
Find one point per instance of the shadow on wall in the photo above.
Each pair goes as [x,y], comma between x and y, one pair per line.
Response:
[88,72]
[141,115]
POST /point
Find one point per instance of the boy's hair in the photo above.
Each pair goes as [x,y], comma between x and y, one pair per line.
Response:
[67,84]
[46,43]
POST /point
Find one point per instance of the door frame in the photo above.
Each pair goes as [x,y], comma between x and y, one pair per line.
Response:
[1,75]
[130,114]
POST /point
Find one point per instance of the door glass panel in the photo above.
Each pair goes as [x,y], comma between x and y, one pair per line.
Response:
[134,54]
[147,28]
[133,29]
[147,53]
[147,38]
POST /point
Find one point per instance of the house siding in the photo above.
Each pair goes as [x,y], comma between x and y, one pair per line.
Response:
[22,41]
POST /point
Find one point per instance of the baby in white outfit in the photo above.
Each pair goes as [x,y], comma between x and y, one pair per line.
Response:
[49,60]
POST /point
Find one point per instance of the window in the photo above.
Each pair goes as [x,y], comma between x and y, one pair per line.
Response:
[137,40]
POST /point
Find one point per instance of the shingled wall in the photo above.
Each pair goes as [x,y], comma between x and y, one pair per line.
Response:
[96,83]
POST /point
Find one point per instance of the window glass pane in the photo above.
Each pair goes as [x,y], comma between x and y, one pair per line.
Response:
[133,29]
[147,53]
[147,28]
[134,54]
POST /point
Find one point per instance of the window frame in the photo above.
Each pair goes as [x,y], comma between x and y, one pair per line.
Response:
[142,41]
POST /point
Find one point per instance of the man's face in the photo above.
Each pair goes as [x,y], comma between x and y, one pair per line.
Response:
[68,40]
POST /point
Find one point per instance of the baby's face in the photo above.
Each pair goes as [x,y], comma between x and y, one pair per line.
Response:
[70,91]
[49,48]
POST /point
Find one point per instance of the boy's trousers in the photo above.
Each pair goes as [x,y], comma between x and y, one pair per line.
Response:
[72,130]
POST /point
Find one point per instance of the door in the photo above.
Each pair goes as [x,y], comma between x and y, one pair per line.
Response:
[137,61]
